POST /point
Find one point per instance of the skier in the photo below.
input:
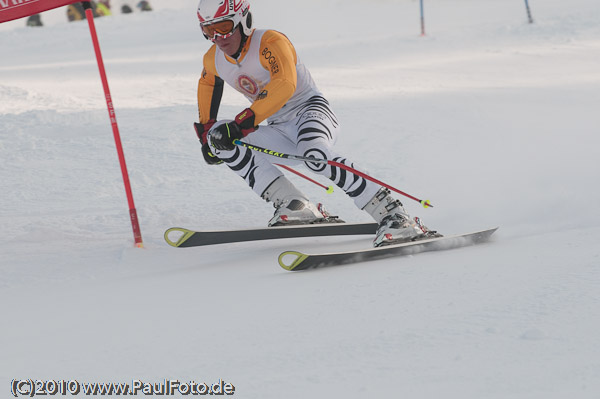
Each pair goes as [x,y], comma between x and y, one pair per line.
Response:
[264,66]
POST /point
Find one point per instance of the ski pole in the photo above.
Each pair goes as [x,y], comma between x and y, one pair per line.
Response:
[328,189]
[425,203]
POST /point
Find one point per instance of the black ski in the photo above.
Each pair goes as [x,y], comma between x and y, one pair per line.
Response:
[294,260]
[188,238]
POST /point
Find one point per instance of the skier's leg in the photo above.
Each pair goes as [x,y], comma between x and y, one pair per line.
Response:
[255,169]
[291,205]
[316,132]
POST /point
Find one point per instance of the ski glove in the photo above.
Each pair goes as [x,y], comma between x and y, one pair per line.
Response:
[222,136]
[245,120]
[202,132]
[209,157]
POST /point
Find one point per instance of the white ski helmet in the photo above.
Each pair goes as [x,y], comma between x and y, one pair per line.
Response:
[214,11]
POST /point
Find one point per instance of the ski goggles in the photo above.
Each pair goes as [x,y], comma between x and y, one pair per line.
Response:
[222,28]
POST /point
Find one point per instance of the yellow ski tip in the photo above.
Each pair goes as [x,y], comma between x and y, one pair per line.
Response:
[297,258]
[181,236]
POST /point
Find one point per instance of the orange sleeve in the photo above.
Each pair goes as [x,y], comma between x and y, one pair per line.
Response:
[210,88]
[278,56]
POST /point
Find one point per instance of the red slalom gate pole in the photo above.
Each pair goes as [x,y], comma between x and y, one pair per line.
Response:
[137,233]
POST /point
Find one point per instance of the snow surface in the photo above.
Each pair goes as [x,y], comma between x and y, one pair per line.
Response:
[495,120]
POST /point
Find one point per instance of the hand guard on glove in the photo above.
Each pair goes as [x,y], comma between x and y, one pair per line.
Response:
[222,136]
[202,133]
[245,120]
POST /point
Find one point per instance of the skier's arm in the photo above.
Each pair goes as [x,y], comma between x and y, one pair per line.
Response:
[210,89]
[278,56]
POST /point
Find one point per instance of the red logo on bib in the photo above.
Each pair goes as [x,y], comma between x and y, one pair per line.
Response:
[247,85]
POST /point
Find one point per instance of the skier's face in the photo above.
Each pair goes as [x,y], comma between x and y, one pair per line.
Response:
[230,45]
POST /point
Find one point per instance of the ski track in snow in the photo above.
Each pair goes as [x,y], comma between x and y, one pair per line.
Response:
[492,119]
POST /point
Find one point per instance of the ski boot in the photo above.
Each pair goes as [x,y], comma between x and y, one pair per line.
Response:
[395,225]
[292,207]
